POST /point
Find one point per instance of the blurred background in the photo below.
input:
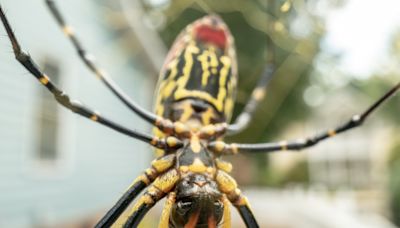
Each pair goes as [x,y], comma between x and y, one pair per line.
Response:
[333,58]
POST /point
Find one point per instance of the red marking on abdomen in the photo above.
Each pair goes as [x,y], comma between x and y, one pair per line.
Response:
[216,36]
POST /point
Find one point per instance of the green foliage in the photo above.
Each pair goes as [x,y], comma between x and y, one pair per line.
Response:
[394,184]
[394,193]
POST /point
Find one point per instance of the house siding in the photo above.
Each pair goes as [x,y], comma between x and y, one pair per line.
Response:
[95,164]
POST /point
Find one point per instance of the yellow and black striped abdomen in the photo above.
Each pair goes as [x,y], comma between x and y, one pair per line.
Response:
[200,72]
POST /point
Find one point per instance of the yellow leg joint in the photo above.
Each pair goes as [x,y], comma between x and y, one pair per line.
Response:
[163,163]
[164,222]
[68,30]
[144,200]
[44,80]
[223,165]
[225,182]
[167,181]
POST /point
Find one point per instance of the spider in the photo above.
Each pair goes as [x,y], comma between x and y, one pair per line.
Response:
[195,99]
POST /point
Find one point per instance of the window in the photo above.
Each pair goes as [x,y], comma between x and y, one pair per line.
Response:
[47,118]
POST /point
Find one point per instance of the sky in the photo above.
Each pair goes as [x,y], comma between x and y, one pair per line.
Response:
[361,32]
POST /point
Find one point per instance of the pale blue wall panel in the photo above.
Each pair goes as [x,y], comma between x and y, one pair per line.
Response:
[97,164]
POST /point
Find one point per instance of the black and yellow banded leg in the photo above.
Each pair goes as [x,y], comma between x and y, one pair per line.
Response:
[63,99]
[355,121]
[227,213]
[228,186]
[164,221]
[163,124]
[115,212]
[160,187]
[258,94]
[159,166]
[89,61]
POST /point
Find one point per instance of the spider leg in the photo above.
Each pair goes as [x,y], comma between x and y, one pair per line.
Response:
[244,118]
[159,166]
[160,187]
[164,221]
[227,213]
[355,121]
[115,212]
[228,186]
[163,124]
[74,105]
[89,61]
[258,94]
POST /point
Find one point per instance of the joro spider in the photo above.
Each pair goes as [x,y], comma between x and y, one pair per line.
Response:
[195,99]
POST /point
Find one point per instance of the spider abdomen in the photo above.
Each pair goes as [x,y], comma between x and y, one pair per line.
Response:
[201,66]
